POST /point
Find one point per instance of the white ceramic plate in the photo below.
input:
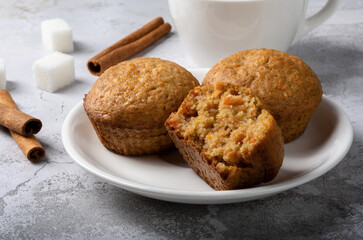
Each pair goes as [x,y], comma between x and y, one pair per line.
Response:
[165,176]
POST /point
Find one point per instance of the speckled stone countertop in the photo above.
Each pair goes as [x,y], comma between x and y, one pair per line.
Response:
[57,199]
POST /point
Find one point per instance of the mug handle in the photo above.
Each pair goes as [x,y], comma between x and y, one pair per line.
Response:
[312,22]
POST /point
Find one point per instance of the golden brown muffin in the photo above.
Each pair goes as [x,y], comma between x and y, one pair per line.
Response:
[129,103]
[287,86]
[227,137]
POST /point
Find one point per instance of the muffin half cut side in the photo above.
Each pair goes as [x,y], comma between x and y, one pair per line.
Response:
[227,137]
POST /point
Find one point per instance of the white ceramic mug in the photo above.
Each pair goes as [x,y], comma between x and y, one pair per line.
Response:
[213,29]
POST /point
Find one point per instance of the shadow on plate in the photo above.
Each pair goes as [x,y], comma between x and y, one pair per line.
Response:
[173,157]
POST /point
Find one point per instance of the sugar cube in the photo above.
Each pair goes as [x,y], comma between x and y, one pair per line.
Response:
[53,71]
[2,74]
[57,35]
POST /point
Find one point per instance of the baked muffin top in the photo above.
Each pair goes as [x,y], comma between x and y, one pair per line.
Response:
[284,83]
[139,93]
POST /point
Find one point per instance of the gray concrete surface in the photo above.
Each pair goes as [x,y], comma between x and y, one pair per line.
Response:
[56,199]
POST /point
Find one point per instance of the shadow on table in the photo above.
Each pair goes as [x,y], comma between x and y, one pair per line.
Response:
[331,61]
[309,211]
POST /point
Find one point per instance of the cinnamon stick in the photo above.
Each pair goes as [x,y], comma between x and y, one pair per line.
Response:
[19,122]
[128,46]
[29,145]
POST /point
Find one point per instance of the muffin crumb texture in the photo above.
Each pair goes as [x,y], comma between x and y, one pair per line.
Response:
[227,137]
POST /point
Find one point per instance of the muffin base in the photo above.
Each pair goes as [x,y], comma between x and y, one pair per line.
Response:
[292,129]
[132,142]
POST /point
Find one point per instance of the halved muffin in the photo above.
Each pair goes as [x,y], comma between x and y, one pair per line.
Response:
[227,137]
